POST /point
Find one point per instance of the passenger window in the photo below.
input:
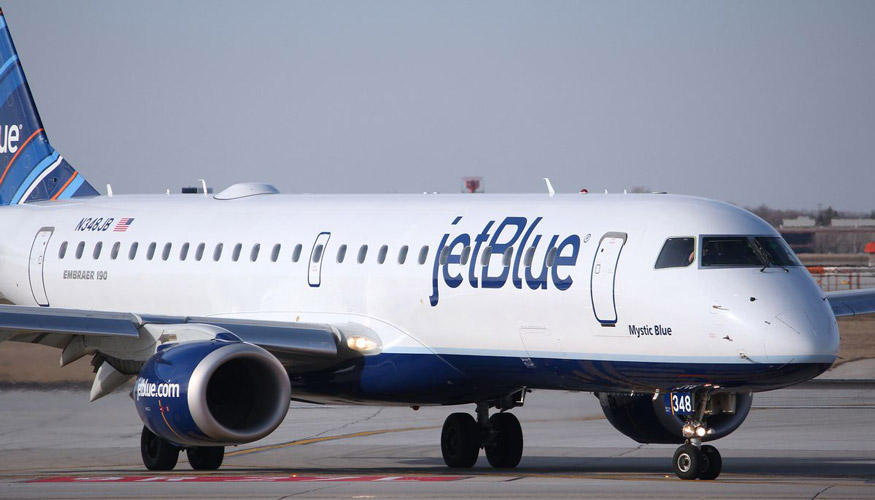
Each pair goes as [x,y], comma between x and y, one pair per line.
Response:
[466,254]
[296,254]
[363,252]
[217,253]
[275,254]
[235,254]
[402,254]
[80,249]
[63,250]
[530,256]
[341,254]
[183,252]
[484,258]
[423,254]
[551,257]
[115,249]
[150,252]
[253,255]
[317,253]
[97,248]
[199,253]
[507,256]
[445,255]
[133,251]
[381,255]
[677,252]
[166,253]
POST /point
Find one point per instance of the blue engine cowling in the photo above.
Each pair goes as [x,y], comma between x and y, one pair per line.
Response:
[212,393]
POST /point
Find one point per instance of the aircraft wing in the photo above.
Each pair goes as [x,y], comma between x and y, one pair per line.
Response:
[288,341]
[852,302]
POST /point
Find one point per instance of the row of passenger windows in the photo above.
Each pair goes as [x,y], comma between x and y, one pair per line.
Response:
[237,251]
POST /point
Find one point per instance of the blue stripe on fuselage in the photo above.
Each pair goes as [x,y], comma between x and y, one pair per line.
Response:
[457,379]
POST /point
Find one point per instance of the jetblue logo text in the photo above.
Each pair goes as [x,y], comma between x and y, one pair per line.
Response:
[516,236]
[9,136]
[146,389]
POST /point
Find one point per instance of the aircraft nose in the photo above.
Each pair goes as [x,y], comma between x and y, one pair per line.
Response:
[802,335]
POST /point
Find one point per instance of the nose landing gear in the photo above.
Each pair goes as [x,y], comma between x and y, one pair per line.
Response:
[693,460]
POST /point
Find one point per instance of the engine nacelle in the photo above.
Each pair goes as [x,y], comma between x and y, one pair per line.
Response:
[212,393]
[646,420]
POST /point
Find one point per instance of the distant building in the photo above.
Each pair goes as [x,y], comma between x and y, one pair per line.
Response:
[801,221]
[853,223]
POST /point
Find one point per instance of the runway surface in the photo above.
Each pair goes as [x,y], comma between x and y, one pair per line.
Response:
[813,442]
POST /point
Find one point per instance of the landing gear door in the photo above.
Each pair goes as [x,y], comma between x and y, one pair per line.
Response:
[604,269]
[36,264]
[317,255]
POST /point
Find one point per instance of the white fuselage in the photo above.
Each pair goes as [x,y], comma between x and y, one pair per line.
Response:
[734,316]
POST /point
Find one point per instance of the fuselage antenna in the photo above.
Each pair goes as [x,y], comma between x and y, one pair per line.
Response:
[550,190]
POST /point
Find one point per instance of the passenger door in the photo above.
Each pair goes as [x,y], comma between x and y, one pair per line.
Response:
[36,264]
[604,269]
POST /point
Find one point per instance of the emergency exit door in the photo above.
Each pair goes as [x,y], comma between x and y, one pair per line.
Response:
[36,264]
[603,278]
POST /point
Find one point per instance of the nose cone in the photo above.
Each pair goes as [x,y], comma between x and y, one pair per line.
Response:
[803,335]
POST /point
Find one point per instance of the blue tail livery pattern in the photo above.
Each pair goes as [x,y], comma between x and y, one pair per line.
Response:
[30,170]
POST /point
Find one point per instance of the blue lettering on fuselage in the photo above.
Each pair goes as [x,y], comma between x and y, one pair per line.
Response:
[513,235]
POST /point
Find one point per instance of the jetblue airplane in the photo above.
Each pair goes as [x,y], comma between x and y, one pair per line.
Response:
[220,309]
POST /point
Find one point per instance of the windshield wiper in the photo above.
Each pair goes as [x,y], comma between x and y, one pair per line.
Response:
[766,257]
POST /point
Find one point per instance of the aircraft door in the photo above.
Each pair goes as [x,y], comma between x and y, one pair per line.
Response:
[35,266]
[604,268]
[317,255]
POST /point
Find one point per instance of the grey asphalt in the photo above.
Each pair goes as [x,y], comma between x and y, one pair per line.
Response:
[816,441]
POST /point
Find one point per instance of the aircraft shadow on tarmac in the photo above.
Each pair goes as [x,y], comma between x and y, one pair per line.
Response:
[832,467]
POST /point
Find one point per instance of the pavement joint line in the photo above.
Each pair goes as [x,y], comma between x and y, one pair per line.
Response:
[303,442]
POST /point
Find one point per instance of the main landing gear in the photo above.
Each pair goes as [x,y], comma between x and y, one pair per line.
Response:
[500,435]
[161,455]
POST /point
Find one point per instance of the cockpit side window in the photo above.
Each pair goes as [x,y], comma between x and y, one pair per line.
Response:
[677,252]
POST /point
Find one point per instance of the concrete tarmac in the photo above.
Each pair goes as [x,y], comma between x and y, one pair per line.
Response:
[817,441]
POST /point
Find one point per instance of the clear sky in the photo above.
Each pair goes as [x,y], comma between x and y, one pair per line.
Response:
[745,101]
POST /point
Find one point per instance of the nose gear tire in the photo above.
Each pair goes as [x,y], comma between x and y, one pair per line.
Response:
[713,463]
[688,462]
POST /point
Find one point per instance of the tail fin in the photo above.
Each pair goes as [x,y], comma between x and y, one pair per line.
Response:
[30,169]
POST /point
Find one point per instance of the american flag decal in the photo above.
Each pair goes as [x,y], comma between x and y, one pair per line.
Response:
[123,224]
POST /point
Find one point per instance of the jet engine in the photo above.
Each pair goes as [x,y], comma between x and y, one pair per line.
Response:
[647,420]
[212,393]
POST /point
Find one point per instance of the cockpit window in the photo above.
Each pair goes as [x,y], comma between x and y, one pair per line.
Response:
[746,251]
[677,252]
[777,251]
